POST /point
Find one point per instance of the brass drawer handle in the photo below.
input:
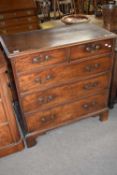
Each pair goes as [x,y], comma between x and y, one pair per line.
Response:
[38,80]
[36,60]
[94,103]
[85,106]
[88,48]
[89,105]
[50,98]
[93,47]
[90,85]
[47,57]
[41,59]
[46,99]
[43,120]
[97,65]
[90,68]
[97,46]
[53,117]
[41,99]
[48,118]
[49,77]
[95,84]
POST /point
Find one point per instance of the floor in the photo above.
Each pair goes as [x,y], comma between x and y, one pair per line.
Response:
[87,147]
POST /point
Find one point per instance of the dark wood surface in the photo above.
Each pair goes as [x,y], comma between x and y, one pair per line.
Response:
[10,5]
[34,41]
[18,16]
[10,139]
[61,75]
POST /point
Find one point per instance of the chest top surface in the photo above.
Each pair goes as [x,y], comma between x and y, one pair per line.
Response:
[40,40]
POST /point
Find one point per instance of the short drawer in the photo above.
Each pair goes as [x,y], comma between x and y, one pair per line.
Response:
[56,96]
[91,49]
[40,59]
[62,74]
[51,118]
[5,136]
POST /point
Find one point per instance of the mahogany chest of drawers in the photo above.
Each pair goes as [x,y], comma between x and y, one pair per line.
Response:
[10,138]
[61,75]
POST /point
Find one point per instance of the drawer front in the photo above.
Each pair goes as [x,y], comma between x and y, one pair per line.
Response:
[30,12]
[20,28]
[51,118]
[17,21]
[40,59]
[62,74]
[5,136]
[54,96]
[91,49]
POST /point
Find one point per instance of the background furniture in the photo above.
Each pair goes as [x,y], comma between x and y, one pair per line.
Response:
[43,8]
[18,16]
[60,75]
[63,7]
[89,6]
[10,138]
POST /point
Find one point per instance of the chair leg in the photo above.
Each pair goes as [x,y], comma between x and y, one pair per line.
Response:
[89,4]
[74,6]
[58,7]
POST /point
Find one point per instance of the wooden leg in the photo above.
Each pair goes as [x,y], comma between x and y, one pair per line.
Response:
[104,116]
[111,105]
[31,141]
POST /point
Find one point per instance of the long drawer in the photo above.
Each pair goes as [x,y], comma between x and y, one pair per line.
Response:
[44,120]
[18,21]
[41,59]
[63,94]
[15,14]
[62,74]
